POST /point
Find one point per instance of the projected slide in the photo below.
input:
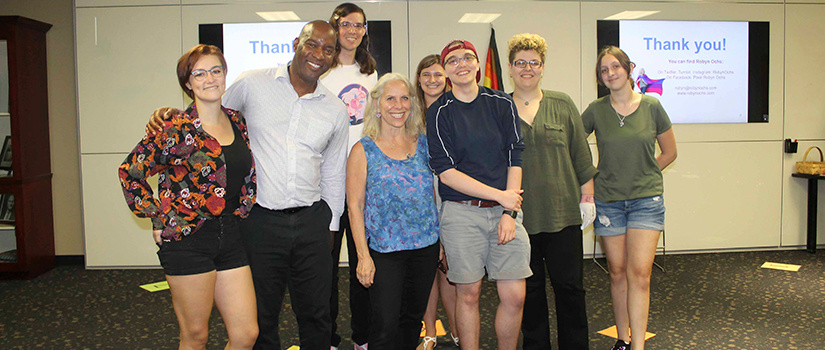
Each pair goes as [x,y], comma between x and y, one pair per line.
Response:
[701,71]
[706,61]
[249,46]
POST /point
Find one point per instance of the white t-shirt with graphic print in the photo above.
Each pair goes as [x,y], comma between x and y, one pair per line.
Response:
[352,87]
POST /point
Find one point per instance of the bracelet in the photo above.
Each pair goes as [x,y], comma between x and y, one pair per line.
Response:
[512,213]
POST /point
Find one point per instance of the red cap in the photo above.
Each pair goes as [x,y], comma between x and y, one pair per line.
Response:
[455,45]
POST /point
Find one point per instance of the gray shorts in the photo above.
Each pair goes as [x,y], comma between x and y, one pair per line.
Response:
[470,238]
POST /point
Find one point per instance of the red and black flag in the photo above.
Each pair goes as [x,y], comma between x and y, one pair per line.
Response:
[492,70]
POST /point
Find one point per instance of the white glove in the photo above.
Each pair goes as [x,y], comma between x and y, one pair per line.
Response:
[588,211]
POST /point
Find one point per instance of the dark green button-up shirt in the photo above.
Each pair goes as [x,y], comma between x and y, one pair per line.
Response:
[556,162]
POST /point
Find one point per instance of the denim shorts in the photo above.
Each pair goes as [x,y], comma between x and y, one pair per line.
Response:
[615,218]
[216,245]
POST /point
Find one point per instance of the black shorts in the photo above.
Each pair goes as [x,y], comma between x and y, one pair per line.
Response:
[216,245]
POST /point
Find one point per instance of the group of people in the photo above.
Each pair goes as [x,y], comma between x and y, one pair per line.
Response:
[434,184]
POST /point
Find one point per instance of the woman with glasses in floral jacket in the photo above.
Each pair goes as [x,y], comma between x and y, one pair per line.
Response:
[206,184]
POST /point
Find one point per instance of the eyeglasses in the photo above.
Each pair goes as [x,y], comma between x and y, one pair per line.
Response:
[523,64]
[356,26]
[455,60]
[216,71]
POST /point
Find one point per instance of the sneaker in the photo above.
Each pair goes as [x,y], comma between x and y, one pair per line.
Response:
[621,345]
[333,347]
[360,347]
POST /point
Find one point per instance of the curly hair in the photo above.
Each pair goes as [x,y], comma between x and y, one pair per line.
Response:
[362,52]
[527,41]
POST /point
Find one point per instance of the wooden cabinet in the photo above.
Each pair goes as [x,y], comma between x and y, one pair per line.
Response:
[26,190]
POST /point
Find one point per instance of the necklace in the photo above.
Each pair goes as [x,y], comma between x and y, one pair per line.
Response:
[621,119]
[527,101]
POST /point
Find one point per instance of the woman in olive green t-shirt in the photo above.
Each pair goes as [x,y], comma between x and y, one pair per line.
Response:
[629,205]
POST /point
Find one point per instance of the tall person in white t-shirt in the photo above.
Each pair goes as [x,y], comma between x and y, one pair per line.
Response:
[351,78]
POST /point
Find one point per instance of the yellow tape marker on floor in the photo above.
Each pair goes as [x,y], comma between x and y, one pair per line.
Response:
[780,266]
[294,347]
[439,329]
[155,287]
[611,332]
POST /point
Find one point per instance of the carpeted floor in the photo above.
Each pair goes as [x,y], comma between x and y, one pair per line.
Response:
[703,301]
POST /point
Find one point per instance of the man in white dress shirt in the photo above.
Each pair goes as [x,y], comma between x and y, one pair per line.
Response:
[298,135]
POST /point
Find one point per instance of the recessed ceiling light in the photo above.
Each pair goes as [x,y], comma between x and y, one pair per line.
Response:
[478,17]
[632,14]
[279,16]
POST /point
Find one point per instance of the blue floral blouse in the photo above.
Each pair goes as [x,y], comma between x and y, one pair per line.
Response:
[399,209]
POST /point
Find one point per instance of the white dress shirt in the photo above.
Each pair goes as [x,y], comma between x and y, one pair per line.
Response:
[299,142]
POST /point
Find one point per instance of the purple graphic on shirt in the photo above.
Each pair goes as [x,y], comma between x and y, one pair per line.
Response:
[355,97]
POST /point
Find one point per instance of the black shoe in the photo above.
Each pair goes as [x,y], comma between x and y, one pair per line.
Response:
[621,345]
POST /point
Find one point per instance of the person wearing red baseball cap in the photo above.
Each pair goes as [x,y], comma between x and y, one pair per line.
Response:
[475,148]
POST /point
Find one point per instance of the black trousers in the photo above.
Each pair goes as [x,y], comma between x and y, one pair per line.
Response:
[359,297]
[291,251]
[399,296]
[561,252]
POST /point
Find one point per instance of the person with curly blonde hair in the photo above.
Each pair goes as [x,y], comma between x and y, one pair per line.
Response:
[558,174]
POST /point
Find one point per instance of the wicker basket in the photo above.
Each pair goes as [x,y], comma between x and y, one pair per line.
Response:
[810,167]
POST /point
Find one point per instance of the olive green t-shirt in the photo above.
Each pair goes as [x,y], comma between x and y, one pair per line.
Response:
[627,154]
[556,161]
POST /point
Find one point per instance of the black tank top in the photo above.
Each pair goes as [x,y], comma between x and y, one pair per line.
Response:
[238,160]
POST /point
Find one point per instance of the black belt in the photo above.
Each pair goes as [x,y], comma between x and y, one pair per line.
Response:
[291,210]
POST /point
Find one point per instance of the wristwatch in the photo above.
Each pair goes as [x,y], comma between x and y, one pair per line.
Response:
[512,213]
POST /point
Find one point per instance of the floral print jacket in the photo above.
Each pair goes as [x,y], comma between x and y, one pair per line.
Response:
[192,176]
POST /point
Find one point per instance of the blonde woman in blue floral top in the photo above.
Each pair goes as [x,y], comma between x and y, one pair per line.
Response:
[392,213]
[206,184]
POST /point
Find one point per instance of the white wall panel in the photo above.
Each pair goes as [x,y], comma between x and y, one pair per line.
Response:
[804,103]
[724,195]
[114,236]
[126,59]
[112,3]
[709,1]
